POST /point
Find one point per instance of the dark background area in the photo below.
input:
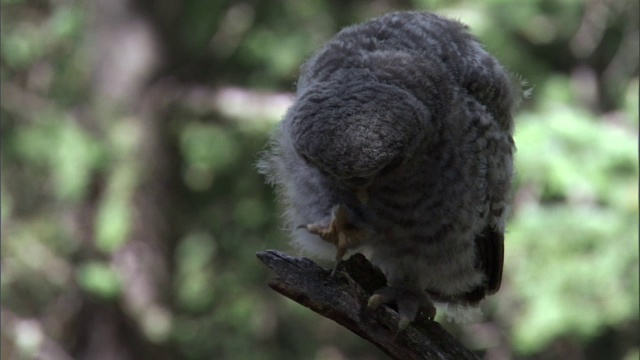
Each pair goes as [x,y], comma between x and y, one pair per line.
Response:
[132,210]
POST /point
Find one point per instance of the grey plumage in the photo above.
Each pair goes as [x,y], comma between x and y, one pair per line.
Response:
[400,142]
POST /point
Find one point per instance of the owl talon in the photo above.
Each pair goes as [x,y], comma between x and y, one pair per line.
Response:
[341,232]
[375,301]
[409,303]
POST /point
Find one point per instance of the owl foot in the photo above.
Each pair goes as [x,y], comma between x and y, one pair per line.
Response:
[409,302]
[341,232]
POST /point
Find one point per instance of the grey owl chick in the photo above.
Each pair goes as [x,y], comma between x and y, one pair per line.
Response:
[399,145]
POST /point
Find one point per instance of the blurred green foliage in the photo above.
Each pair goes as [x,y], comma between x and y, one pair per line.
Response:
[97,278]
[73,168]
[574,253]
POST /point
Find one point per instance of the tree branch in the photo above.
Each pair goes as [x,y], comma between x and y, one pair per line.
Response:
[343,298]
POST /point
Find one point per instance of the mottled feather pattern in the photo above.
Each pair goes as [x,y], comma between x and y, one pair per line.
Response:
[411,106]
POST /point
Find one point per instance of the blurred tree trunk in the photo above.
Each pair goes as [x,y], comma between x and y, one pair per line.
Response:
[131,109]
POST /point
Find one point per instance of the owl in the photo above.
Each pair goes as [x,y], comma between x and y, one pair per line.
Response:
[399,146]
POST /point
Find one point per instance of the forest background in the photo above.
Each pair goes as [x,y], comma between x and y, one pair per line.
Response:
[132,210]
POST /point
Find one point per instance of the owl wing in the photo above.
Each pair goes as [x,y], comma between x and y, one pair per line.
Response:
[490,252]
[490,255]
[491,87]
[489,243]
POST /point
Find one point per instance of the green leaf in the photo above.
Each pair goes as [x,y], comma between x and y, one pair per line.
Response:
[98,278]
[66,22]
[113,223]
[210,147]
[194,257]
[76,156]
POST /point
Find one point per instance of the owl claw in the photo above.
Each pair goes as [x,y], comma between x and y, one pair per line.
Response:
[375,301]
[341,232]
[409,303]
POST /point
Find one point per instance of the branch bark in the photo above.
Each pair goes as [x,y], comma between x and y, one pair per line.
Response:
[343,298]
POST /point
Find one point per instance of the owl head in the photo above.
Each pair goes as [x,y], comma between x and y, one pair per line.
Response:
[354,130]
